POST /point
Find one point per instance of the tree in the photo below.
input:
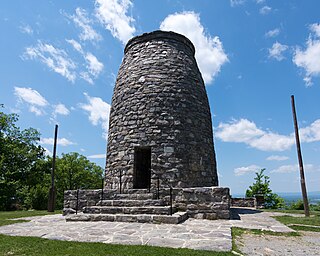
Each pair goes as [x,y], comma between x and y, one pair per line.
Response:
[75,171]
[261,186]
[19,152]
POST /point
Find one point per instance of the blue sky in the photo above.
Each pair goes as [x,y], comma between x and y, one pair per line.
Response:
[59,61]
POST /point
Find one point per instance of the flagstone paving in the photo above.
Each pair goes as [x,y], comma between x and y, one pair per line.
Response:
[194,233]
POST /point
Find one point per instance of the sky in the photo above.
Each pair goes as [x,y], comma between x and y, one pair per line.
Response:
[59,61]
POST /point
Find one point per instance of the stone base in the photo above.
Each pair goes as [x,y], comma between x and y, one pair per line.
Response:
[108,205]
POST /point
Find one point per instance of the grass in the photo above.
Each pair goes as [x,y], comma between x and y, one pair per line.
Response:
[311,223]
[15,245]
[6,217]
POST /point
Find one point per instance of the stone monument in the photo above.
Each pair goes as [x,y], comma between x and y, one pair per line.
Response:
[161,165]
[160,120]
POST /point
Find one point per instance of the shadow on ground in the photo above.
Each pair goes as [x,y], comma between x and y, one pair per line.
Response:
[235,212]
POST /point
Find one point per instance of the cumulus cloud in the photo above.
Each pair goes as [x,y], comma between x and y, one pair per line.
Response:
[265,10]
[113,15]
[272,33]
[246,169]
[56,59]
[98,112]
[309,59]
[276,51]
[81,19]
[294,168]
[61,109]
[98,156]
[247,132]
[235,3]
[210,54]
[76,45]
[310,133]
[33,98]
[60,142]
[277,158]
[26,29]
[94,65]
[93,68]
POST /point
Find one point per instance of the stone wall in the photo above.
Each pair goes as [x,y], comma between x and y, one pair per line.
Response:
[160,101]
[203,203]
[243,202]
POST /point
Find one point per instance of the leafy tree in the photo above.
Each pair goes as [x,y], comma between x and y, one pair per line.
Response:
[75,171]
[19,152]
[261,186]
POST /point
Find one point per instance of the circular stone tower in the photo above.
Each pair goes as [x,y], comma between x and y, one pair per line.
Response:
[160,120]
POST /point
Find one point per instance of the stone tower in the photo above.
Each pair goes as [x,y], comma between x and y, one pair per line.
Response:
[160,120]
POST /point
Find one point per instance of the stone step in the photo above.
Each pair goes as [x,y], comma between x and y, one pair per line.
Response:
[175,218]
[158,210]
[130,203]
[134,196]
[136,191]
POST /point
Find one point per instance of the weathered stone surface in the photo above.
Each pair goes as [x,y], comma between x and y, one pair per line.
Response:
[160,101]
[243,202]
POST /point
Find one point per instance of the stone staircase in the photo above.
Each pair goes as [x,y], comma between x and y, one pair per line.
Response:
[134,205]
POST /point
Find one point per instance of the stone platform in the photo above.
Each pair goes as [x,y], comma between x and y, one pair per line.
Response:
[144,206]
[214,235]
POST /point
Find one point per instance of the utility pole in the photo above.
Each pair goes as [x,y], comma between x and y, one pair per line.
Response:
[52,191]
[302,179]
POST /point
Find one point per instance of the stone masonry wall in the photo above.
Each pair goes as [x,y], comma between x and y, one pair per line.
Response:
[160,101]
[202,203]
[243,202]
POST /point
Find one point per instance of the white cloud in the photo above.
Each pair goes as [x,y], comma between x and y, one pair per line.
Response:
[276,51]
[286,169]
[56,59]
[47,152]
[30,96]
[315,28]
[309,59]
[209,50]
[61,109]
[98,112]
[94,65]
[310,133]
[26,29]
[247,132]
[272,33]
[99,156]
[277,158]
[234,3]
[81,19]
[247,169]
[260,1]
[77,46]
[265,10]
[113,15]
[238,131]
[60,142]
[33,98]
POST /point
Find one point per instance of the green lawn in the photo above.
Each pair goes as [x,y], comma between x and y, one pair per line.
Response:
[5,217]
[311,223]
[10,245]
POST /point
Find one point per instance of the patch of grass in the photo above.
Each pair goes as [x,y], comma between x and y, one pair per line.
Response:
[308,221]
[6,217]
[305,228]
[39,246]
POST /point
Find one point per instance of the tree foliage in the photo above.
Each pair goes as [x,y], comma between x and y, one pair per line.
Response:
[261,186]
[25,171]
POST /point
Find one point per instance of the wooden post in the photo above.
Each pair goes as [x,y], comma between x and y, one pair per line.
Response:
[302,179]
[52,191]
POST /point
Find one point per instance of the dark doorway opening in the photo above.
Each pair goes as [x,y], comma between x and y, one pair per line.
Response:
[142,167]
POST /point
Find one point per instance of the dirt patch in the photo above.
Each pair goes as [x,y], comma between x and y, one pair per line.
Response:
[306,244]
